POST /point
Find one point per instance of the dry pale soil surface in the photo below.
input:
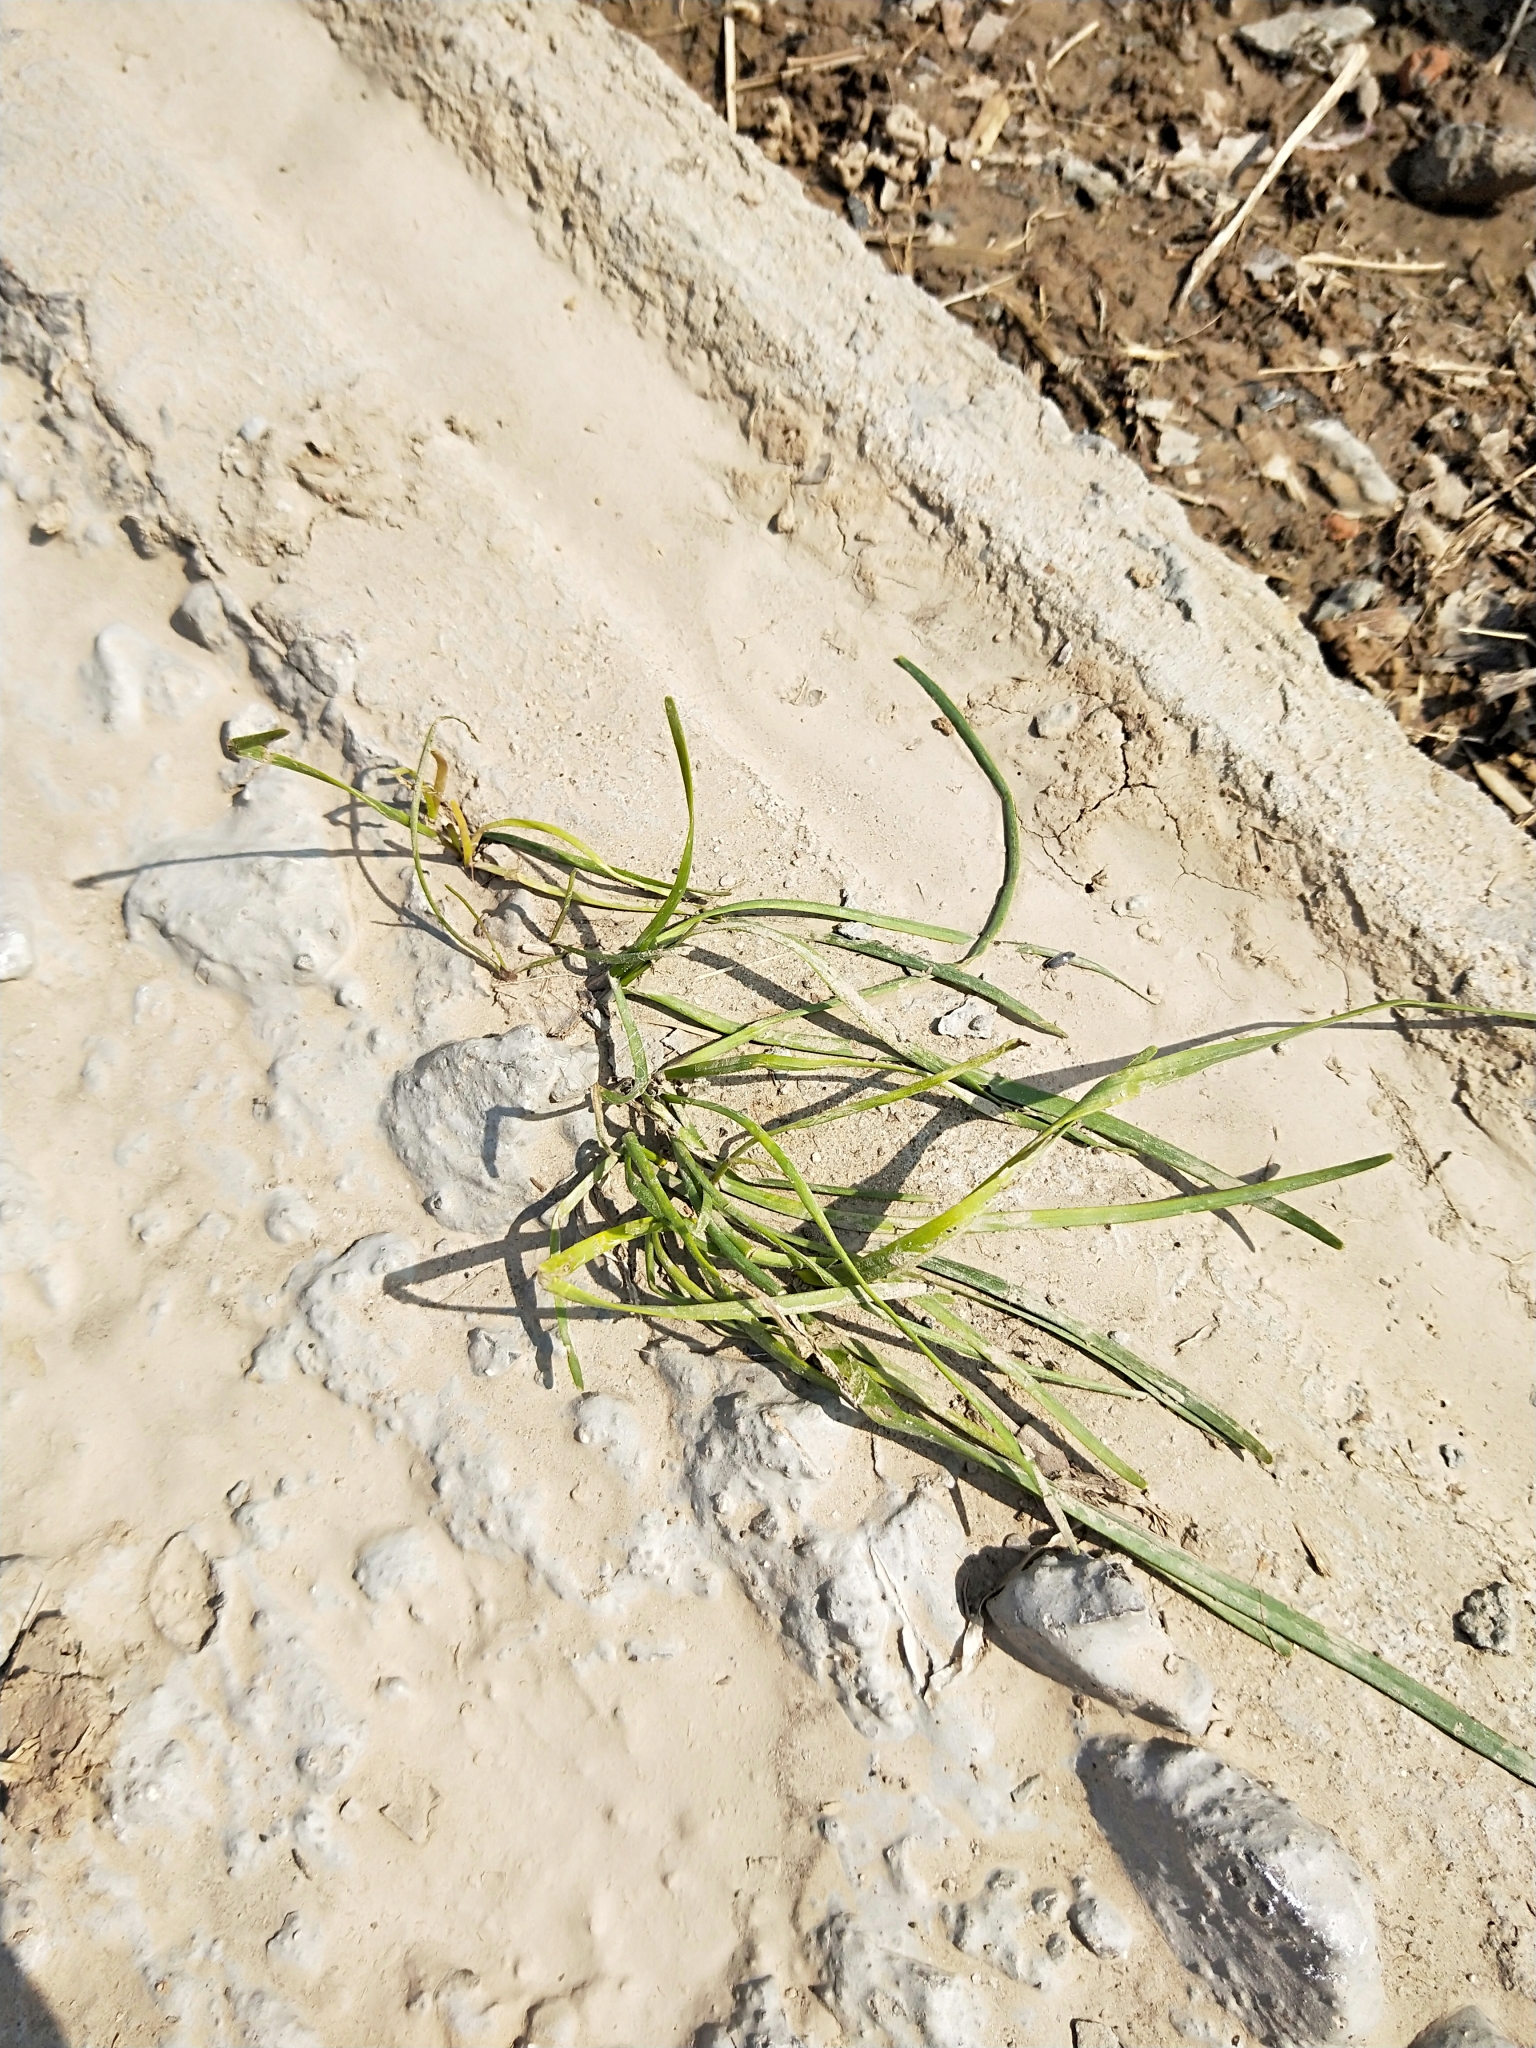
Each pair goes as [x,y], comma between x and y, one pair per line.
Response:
[364,1681]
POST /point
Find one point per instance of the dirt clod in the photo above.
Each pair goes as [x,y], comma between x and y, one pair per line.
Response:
[54,1717]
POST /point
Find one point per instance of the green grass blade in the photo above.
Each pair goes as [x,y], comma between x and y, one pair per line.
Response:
[1163,1387]
[674,895]
[568,852]
[770,1030]
[1072,960]
[888,1096]
[932,1232]
[1196,1059]
[1019,1374]
[1218,1589]
[632,1038]
[256,747]
[994,775]
[735,1310]
[830,913]
[1173,1205]
[951,977]
[1038,1103]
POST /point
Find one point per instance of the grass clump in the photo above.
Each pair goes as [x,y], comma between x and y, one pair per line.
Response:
[701,1214]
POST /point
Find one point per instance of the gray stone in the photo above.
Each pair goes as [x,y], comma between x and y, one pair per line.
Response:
[1486,1619]
[1306,32]
[1464,2028]
[987,34]
[1057,720]
[994,1926]
[1177,448]
[970,1019]
[1268,1908]
[200,617]
[1268,263]
[1467,164]
[1086,1622]
[17,955]
[1102,1928]
[238,902]
[1094,2034]
[1348,456]
[1096,184]
[493,1352]
[1357,595]
[461,1120]
[757,2020]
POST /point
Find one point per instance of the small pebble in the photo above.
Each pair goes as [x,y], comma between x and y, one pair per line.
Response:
[1057,720]
[290,1219]
[1466,164]
[1453,1455]
[1049,1903]
[970,1019]
[1306,34]
[1177,448]
[1061,959]
[16,954]
[493,1352]
[200,617]
[1486,1619]
[1359,594]
[1100,1927]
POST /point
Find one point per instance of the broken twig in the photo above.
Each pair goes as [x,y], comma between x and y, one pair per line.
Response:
[1064,365]
[1206,262]
[1398,269]
[1496,63]
[1081,37]
[980,291]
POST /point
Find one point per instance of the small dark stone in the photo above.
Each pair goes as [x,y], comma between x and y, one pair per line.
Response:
[1467,2027]
[1467,165]
[1486,1619]
[859,215]
[1357,595]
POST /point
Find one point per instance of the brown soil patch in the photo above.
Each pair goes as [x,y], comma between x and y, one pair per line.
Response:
[1053,186]
[54,1717]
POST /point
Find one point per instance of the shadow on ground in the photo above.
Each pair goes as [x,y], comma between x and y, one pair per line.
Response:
[26,2019]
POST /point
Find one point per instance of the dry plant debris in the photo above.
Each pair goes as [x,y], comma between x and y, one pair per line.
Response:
[692,1208]
[1345,402]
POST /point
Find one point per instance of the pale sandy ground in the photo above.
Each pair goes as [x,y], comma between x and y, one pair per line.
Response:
[543,1768]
